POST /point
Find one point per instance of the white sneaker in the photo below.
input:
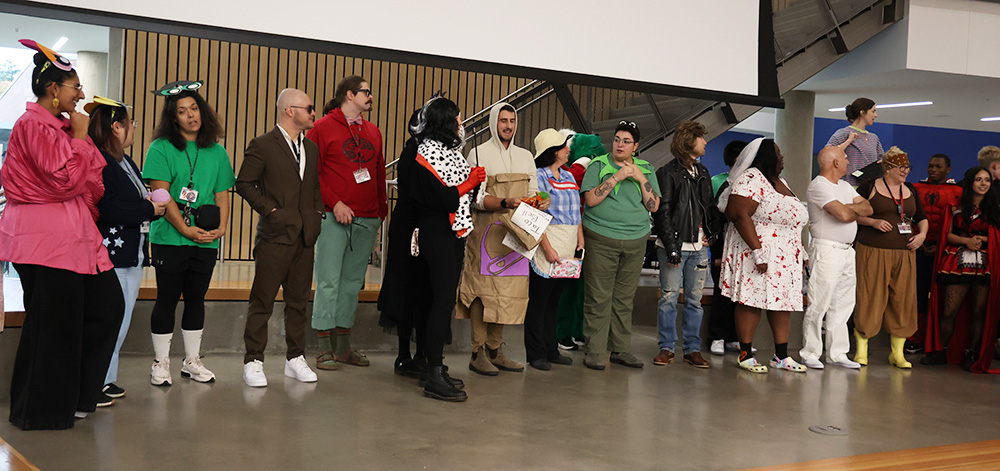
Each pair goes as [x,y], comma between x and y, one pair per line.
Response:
[253,374]
[193,368]
[79,415]
[718,347]
[845,363]
[298,368]
[160,373]
[813,363]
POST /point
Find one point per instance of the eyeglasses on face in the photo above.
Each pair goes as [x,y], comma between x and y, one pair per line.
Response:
[627,142]
[72,85]
[309,109]
[366,91]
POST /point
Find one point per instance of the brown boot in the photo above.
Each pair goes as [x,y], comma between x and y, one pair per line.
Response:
[480,364]
[499,360]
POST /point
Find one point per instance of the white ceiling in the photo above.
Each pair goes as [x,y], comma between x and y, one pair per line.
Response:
[81,37]
[959,100]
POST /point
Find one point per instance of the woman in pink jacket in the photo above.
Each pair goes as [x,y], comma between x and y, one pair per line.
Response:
[72,299]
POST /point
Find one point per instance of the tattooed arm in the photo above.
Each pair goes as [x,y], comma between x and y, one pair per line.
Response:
[596,196]
[649,199]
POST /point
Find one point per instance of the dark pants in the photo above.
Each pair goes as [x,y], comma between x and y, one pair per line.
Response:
[289,267]
[444,254]
[69,333]
[540,317]
[721,323]
[180,270]
[569,320]
[925,270]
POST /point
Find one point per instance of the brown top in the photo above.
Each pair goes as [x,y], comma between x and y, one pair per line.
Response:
[883,207]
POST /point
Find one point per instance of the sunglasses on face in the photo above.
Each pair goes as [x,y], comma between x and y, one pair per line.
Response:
[309,109]
[366,91]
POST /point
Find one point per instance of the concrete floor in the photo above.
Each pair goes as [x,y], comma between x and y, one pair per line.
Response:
[674,417]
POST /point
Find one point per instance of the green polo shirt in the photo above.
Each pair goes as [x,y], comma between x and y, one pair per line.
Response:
[212,173]
[621,215]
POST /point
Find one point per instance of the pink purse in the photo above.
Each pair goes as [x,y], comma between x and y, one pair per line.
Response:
[569,267]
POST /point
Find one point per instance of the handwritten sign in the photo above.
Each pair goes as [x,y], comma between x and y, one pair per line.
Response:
[532,220]
[510,241]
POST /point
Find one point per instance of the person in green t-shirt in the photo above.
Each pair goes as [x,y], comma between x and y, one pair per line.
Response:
[620,191]
[186,160]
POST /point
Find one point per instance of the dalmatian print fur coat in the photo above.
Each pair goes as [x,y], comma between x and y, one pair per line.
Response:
[452,169]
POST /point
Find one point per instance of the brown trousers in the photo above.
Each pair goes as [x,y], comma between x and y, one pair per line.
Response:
[484,333]
[277,265]
[887,291]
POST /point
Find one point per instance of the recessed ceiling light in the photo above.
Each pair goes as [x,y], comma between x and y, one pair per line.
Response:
[891,105]
[990,118]
[60,43]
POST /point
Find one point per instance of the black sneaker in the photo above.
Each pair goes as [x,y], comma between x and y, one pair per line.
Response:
[912,347]
[568,344]
[105,401]
[112,390]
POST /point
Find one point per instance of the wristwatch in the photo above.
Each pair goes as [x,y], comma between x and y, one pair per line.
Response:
[503,203]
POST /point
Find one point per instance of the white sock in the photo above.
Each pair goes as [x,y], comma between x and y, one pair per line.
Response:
[161,346]
[192,343]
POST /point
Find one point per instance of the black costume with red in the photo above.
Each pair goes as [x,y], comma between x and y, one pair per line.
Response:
[960,339]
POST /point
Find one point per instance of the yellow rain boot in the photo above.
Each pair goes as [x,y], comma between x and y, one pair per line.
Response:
[861,356]
[896,357]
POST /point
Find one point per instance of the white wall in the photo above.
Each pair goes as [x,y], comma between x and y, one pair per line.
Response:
[656,41]
[954,36]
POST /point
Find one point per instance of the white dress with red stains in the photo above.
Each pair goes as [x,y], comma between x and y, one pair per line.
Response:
[779,220]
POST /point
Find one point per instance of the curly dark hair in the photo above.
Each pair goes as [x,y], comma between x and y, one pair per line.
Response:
[988,207]
[211,129]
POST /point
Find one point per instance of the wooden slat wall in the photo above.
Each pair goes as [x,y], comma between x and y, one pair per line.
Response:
[242,82]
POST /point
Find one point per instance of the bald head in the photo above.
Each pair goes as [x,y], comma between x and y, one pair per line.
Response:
[294,111]
[832,163]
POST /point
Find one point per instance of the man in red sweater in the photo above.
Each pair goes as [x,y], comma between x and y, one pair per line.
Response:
[352,183]
[937,193]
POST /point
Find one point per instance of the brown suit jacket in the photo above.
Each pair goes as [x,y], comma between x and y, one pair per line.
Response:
[269,180]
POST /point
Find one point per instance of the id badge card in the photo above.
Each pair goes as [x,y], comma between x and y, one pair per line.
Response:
[189,195]
[905,228]
[144,227]
[361,175]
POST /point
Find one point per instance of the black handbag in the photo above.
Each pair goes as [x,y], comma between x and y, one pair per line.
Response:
[207,217]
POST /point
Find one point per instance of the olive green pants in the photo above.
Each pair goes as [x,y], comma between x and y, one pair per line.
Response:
[611,272]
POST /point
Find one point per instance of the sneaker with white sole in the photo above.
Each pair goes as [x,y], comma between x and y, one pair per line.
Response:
[193,368]
[159,375]
[253,374]
[845,363]
[787,364]
[298,368]
[813,363]
[718,347]
[105,401]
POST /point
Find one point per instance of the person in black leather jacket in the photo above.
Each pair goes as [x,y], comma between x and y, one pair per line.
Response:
[685,227]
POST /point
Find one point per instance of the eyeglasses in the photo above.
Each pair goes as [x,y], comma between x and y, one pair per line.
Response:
[76,86]
[366,91]
[627,142]
[627,123]
[309,109]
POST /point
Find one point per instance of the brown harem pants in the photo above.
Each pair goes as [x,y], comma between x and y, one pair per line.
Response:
[887,291]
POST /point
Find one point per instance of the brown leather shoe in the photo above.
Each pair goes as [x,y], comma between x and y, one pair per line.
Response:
[695,360]
[665,357]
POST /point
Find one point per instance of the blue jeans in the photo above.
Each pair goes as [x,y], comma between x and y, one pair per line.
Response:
[691,272]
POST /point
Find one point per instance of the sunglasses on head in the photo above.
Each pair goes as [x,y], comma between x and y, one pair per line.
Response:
[627,123]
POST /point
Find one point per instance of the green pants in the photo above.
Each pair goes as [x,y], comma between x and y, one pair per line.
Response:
[342,253]
[569,317]
[611,272]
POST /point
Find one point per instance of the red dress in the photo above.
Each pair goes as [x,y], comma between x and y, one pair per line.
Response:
[959,264]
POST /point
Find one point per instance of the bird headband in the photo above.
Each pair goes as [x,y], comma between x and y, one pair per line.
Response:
[102,101]
[54,59]
[174,88]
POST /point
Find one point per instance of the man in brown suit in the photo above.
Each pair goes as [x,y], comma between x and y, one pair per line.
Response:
[279,178]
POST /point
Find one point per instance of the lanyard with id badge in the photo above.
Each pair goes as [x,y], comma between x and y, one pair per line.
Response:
[189,194]
[905,225]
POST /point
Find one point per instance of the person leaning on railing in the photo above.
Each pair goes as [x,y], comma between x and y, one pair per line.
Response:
[620,191]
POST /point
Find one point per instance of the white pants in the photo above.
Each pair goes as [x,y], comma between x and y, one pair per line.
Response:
[832,283]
